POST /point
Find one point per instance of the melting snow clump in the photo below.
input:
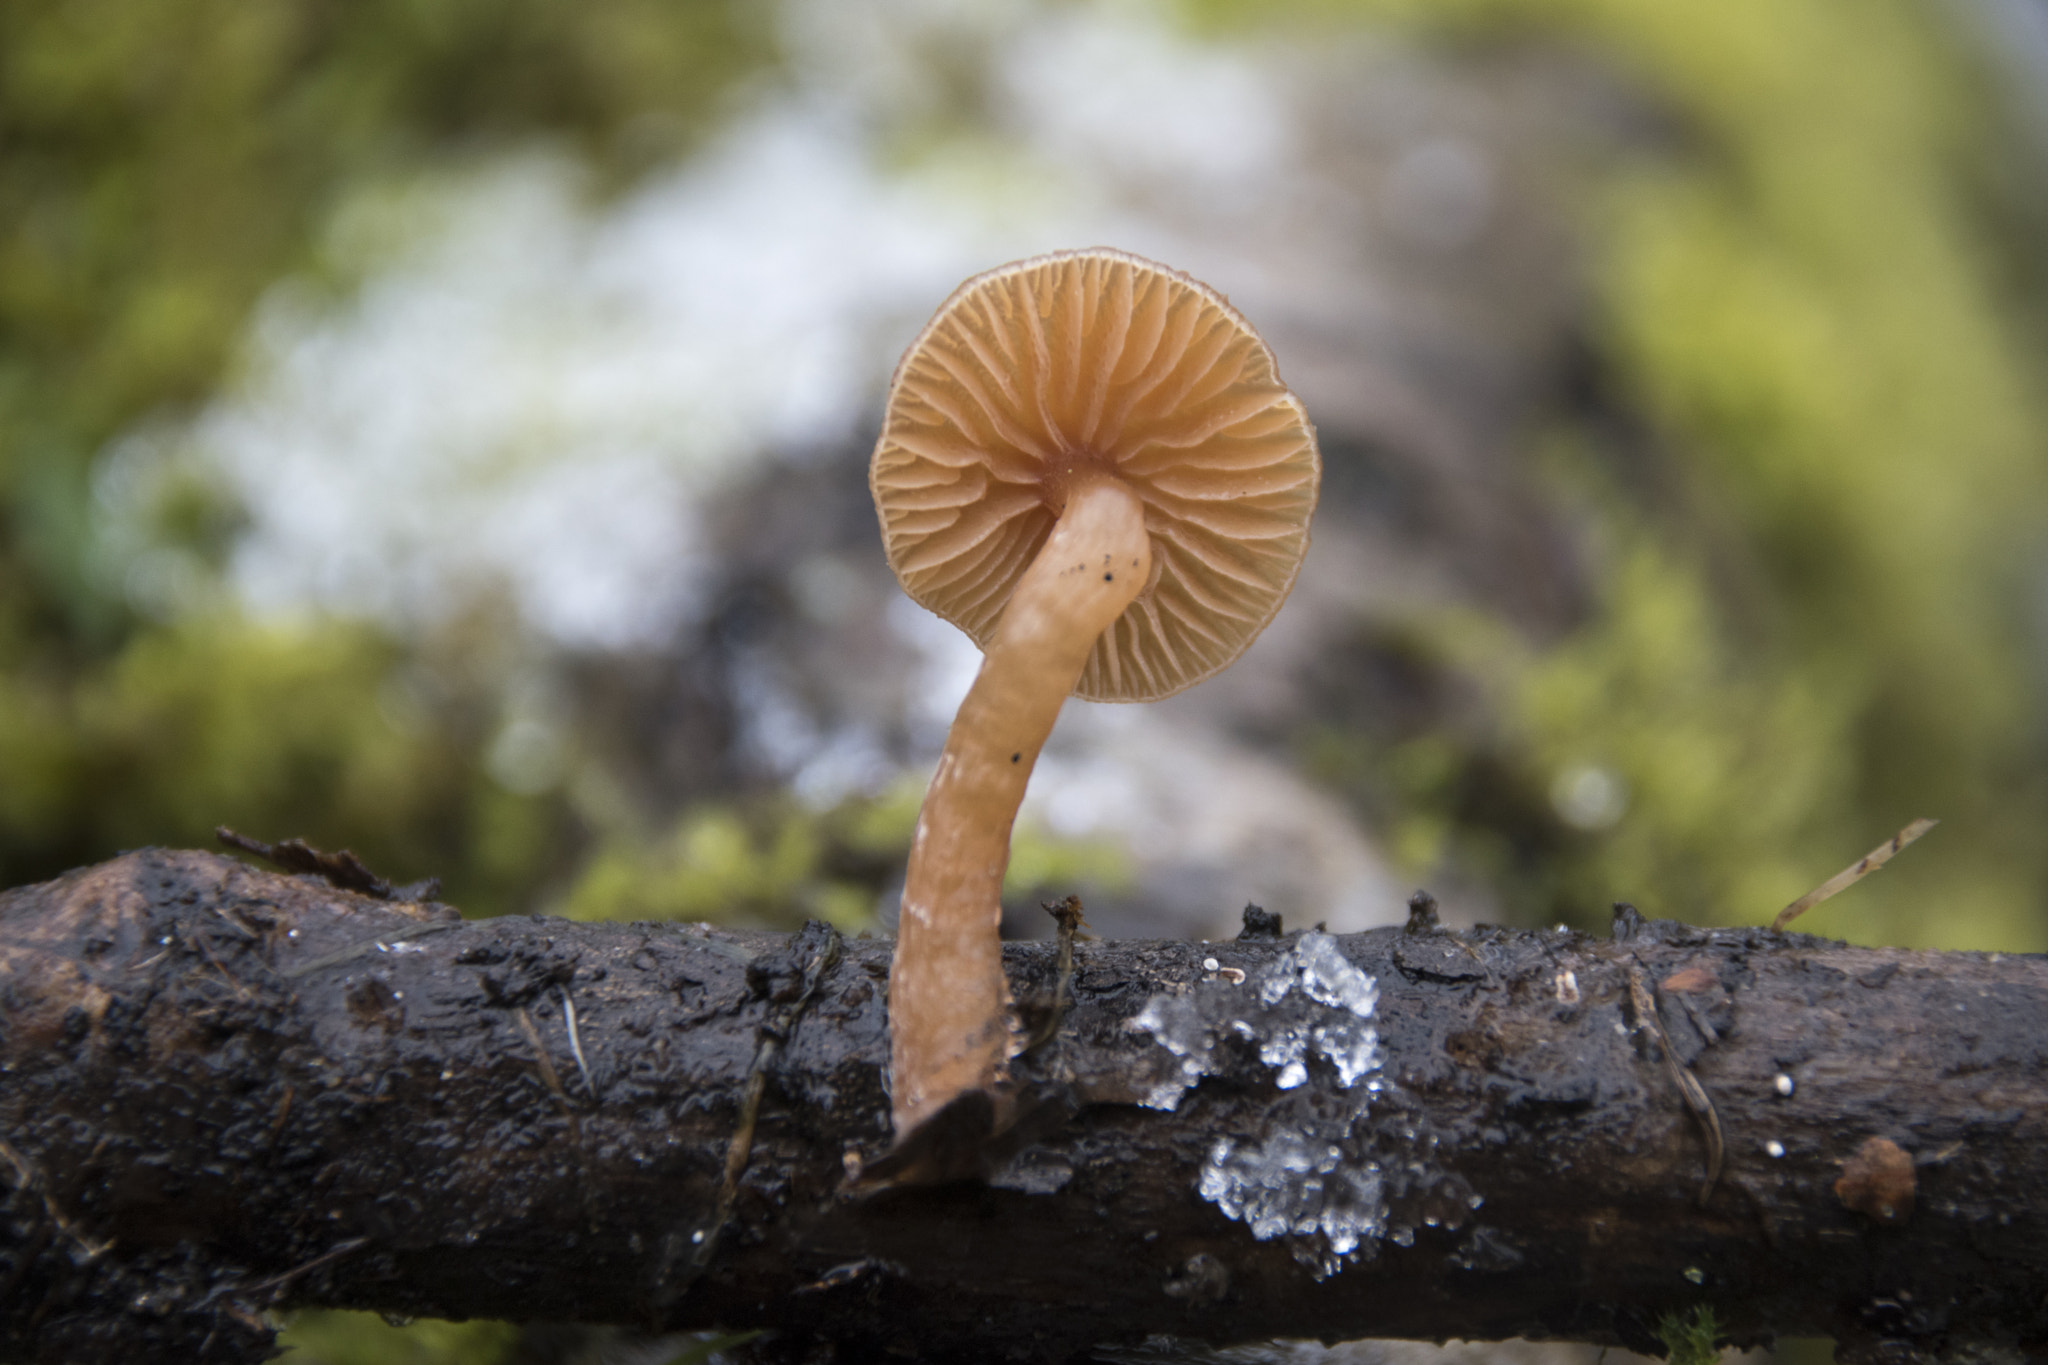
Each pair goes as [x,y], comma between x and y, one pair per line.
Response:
[1293,1183]
[1330,979]
[1192,1027]
[1312,1174]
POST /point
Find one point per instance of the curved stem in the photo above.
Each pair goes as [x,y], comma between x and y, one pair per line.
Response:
[949,1005]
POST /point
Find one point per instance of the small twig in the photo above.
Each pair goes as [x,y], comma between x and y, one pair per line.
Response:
[1066,912]
[240,989]
[339,1251]
[352,1244]
[344,869]
[1696,1098]
[576,1043]
[284,1111]
[31,1178]
[1698,1018]
[1854,873]
[235,926]
[547,1067]
[774,1033]
[738,1152]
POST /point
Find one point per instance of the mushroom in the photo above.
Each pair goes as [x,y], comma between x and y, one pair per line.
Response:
[1089,464]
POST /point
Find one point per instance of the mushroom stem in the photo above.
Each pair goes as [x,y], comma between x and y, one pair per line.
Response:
[949,1005]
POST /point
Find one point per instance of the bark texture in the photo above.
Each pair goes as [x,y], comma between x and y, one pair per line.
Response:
[224,1090]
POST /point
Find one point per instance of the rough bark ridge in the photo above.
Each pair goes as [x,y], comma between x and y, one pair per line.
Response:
[223,1090]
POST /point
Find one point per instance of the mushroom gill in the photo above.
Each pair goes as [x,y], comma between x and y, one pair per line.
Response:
[1099,362]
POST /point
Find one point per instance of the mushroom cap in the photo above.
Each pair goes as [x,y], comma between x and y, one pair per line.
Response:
[1082,364]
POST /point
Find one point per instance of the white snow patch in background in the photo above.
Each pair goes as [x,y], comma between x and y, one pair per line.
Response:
[537,400]
[534,398]
[1122,96]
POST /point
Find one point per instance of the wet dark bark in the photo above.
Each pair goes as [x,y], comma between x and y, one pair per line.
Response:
[223,1090]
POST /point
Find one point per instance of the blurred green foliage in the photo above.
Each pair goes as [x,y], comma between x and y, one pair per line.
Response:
[161,165]
[1816,576]
[267,728]
[1689,1337]
[321,1337]
[717,863]
[334,1338]
[777,862]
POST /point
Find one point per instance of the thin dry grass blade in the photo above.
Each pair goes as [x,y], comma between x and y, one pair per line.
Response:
[1854,873]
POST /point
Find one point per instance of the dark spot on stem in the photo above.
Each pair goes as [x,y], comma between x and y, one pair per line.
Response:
[1015,757]
[1108,576]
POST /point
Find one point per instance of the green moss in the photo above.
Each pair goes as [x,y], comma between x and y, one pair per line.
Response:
[1812,622]
[1042,863]
[777,863]
[276,730]
[164,165]
[333,1338]
[1689,1338]
[763,865]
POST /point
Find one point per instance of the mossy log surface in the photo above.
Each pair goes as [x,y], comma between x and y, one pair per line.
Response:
[224,1090]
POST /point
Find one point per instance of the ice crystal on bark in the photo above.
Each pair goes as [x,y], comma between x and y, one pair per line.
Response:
[1178,1024]
[1330,979]
[1285,1051]
[1195,1026]
[1295,1184]
[1310,1174]
[1353,1051]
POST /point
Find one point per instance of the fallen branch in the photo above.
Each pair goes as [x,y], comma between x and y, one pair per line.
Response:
[224,1090]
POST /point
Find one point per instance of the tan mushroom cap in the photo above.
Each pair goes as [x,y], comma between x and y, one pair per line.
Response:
[1085,363]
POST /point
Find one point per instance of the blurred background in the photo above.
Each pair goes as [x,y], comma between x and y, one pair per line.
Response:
[439,428]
